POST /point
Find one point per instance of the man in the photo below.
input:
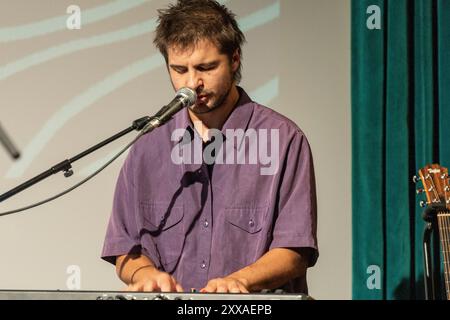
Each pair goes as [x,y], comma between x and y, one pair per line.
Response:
[213,227]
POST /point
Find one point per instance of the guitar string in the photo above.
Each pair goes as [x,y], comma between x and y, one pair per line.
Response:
[443,229]
[446,218]
[433,201]
[445,244]
[433,187]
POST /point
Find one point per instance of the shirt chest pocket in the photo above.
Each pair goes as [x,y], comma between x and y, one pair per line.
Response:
[244,239]
[249,220]
[162,233]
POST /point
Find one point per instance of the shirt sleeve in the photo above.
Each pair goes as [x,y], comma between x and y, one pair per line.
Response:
[296,223]
[122,235]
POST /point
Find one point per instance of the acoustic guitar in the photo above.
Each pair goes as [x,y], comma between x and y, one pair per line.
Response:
[435,181]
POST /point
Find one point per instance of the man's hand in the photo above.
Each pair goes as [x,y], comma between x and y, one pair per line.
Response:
[150,279]
[226,285]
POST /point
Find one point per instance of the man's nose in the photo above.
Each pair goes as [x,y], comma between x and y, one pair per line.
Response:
[195,82]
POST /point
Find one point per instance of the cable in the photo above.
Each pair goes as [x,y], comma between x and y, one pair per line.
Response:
[75,186]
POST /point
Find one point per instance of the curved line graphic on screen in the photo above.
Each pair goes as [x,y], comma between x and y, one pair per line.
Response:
[78,104]
[254,20]
[59,23]
[108,85]
[264,95]
[260,17]
[37,58]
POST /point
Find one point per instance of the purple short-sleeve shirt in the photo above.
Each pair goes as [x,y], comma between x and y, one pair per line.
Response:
[199,222]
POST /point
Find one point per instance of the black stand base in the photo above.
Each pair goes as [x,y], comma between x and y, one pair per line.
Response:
[431,257]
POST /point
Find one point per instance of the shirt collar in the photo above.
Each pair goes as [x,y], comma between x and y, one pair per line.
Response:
[241,114]
[238,119]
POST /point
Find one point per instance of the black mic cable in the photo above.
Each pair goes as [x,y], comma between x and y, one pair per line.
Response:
[185,97]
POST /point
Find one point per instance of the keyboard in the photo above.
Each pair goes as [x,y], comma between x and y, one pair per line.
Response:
[104,295]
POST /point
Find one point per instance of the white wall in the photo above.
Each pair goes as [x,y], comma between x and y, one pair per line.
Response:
[316,94]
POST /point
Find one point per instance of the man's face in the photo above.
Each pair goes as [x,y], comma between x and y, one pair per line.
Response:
[205,70]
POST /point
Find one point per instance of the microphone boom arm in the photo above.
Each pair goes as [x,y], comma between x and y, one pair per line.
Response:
[66,165]
[184,97]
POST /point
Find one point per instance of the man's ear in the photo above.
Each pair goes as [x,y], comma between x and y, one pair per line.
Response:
[236,60]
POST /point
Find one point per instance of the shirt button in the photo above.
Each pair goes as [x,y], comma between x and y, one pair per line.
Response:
[251,223]
[203,265]
[206,224]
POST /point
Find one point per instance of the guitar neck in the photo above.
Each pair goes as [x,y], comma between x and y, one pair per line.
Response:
[444,236]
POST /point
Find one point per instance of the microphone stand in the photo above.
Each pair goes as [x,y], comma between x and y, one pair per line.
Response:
[431,253]
[66,165]
[7,143]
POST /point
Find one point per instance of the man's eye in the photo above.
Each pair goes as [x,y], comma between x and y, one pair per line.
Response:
[179,70]
[205,69]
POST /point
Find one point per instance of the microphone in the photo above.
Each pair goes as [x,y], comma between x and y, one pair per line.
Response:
[9,146]
[185,97]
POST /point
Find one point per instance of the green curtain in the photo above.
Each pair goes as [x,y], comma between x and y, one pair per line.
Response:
[400,123]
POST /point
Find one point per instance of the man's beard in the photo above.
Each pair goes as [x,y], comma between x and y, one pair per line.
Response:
[219,103]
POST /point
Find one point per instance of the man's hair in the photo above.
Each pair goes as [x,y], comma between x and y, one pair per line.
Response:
[187,22]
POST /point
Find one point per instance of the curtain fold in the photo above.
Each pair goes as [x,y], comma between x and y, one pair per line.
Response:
[400,116]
